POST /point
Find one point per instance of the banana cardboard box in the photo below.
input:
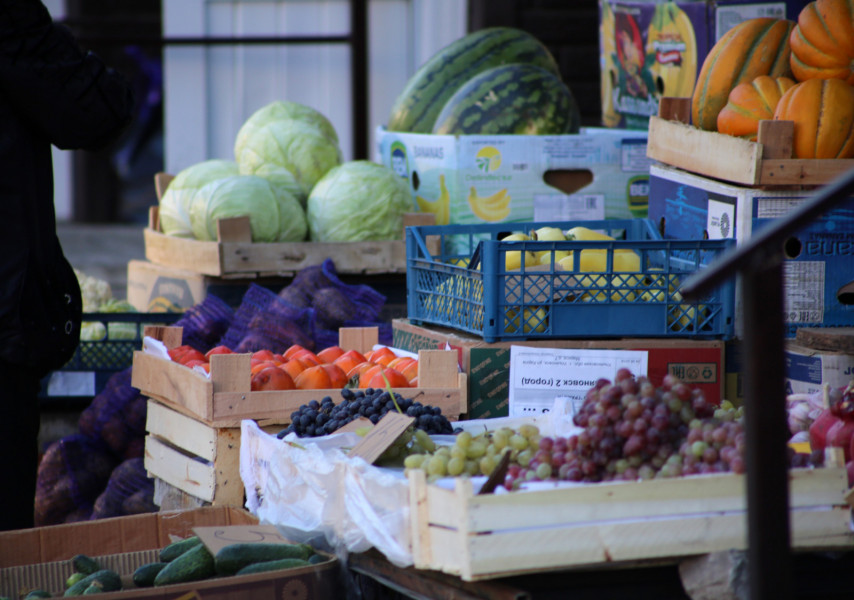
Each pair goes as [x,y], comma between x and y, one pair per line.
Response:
[599,173]
[649,49]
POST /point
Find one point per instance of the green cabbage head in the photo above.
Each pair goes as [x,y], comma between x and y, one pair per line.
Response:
[274,215]
[356,201]
[174,210]
[283,110]
[293,154]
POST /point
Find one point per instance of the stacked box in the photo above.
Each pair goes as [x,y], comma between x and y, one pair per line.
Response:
[649,50]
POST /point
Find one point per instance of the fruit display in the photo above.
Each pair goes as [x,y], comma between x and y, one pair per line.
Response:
[766,68]
[417,107]
[671,40]
[752,48]
[298,368]
[629,430]
[324,416]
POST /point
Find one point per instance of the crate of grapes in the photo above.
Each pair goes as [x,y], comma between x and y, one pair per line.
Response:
[592,499]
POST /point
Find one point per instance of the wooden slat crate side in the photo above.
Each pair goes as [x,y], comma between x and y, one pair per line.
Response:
[180,470]
[183,253]
[181,431]
[173,383]
[524,551]
[810,488]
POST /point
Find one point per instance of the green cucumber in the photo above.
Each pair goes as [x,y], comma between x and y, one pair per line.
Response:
[194,564]
[273,565]
[85,564]
[316,559]
[176,549]
[230,559]
[426,92]
[74,578]
[109,580]
[144,575]
[33,594]
[510,99]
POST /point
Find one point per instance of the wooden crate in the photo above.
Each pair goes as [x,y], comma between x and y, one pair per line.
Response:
[765,163]
[225,399]
[235,255]
[610,524]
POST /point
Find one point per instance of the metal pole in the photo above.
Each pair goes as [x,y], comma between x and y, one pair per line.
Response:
[765,424]
[359,76]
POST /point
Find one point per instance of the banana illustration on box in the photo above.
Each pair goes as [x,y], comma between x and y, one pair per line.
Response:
[492,208]
[608,69]
[441,207]
[672,45]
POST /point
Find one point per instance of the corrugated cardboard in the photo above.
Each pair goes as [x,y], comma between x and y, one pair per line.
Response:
[39,558]
[697,362]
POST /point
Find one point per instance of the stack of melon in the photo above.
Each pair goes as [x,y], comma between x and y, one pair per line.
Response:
[803,72]
[499,80]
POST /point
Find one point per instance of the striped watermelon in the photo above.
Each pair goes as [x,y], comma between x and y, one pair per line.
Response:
[417,107]
[510,99]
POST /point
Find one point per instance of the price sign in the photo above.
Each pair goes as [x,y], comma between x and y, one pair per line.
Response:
[217,538]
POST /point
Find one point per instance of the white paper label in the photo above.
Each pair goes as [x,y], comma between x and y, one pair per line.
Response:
[540,375]
[577,207]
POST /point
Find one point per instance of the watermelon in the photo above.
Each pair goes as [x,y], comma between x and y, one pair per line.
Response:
[510,99]
[418,105]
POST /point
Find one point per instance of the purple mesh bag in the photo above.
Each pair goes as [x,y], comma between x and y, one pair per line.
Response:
[72,473]
[205,323]
[127,479]
[263,321]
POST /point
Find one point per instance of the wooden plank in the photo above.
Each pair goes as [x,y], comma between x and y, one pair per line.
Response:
[231,373]
[182,253]
[179,470]
[235,229]
[802,171]
[624,501]
[776,137]
[181,431]
[715,155]
[275,407]
[360,339]
[161,182]
[171,336]
[173,384]
[675,109]
[438,368]
[827,339]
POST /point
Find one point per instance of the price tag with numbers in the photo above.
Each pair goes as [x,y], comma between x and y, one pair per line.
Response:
[539,375]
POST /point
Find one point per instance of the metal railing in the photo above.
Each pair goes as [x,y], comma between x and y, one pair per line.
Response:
[759,263]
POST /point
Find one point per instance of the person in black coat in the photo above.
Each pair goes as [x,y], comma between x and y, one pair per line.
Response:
[51,93]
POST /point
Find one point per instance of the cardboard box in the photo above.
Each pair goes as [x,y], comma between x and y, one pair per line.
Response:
[644,56]
[596,174]
[808,369]
[817,262]
[157,288]
[697,362]
[40,558]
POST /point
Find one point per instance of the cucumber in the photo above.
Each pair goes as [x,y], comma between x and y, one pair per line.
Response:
[74,578]
[316,559]
[194,564]
[176,549]
[230,559]
[33,594]
[85,564]
[109,580]
[144,575]
[94,588]
[273,565]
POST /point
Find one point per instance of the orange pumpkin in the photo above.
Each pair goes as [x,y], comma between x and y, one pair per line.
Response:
[752,48]
[751,102]
[823,113]
[823,41]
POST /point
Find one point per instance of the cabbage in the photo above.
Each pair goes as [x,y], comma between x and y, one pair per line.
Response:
[358,200]
[274,215]
[288,146]
[283,110]
[174,211]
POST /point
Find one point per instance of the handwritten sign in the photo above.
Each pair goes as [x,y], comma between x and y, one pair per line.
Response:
[383,435]
[217,538]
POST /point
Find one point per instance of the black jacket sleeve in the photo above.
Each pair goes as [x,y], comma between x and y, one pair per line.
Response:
[71,97]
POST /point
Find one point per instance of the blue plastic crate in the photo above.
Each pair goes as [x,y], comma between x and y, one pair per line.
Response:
[474,292]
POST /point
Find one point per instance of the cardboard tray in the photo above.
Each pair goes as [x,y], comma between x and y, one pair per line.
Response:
[766,162]
[235,255]
[225,399]
[611,524]
[39,558]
